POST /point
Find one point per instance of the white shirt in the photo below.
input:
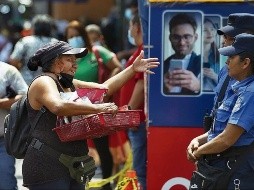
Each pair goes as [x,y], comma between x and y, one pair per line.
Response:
[10,76]
[6,49]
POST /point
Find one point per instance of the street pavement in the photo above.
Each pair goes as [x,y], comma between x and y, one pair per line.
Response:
[19,174]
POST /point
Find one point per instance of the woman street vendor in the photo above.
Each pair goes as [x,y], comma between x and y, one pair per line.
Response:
[50,163]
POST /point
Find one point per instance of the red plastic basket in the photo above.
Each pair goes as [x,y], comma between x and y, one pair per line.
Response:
[97,125]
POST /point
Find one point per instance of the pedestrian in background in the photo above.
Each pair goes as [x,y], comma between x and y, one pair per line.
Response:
[132,94]
[12,88]
[42,27]
[88,70]
[5,45]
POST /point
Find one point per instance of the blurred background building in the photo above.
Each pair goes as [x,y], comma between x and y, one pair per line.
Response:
[15,17]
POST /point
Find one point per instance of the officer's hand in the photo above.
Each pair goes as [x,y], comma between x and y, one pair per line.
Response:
[194,144]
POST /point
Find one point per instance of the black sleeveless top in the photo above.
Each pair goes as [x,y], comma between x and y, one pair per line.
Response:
[39,167]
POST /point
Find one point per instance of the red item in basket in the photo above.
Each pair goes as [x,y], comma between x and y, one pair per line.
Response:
[95,95]
[96,125]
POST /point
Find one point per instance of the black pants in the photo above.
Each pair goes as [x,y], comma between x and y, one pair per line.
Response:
[102,146]
[61,184]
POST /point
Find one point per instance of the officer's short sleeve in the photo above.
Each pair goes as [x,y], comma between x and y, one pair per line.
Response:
[242,113]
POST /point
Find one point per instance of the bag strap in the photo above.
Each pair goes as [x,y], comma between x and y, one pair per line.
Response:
[220,96]
[81,174]
[38,115]
[222,92]
[36,119]
[100,64]
[43,109]
[37,144]
[97,55]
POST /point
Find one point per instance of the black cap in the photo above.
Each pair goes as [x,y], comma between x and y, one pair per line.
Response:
[243,43]
[238,23]
[52,50]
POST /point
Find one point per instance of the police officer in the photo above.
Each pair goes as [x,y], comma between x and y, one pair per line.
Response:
[233,128]
[237,23]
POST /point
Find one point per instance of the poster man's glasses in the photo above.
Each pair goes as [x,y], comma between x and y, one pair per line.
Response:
[177,38]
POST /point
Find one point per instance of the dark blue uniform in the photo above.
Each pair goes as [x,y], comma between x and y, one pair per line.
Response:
[237,108]
[221,78]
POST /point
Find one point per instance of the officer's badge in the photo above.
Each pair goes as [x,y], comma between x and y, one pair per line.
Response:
[237,105]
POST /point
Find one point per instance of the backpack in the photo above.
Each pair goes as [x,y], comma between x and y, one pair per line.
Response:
[17,128]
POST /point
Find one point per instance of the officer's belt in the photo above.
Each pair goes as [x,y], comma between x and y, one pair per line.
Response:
[230,152]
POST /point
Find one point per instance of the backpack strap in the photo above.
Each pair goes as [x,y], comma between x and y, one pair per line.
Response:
[41,111]
[43,108]
[37,117]
[59,86]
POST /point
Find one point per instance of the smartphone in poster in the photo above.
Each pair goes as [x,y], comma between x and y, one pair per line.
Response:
[182,42]
[176,64]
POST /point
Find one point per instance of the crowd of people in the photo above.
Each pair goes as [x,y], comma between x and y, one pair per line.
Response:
[28,64]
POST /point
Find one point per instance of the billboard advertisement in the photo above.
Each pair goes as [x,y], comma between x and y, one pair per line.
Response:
[184,97]
[182,90]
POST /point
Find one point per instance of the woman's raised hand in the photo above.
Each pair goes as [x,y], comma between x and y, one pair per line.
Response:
[144,65]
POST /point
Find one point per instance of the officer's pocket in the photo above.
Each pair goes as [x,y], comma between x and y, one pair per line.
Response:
[206,177]
[197,181]
[221,118]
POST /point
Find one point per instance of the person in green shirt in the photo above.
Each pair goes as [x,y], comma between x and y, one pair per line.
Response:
[77,37]
[88,70]
[88,65]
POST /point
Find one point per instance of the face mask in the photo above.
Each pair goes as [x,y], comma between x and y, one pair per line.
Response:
[130,38]
[128,14]
[76,42]
[66,80]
